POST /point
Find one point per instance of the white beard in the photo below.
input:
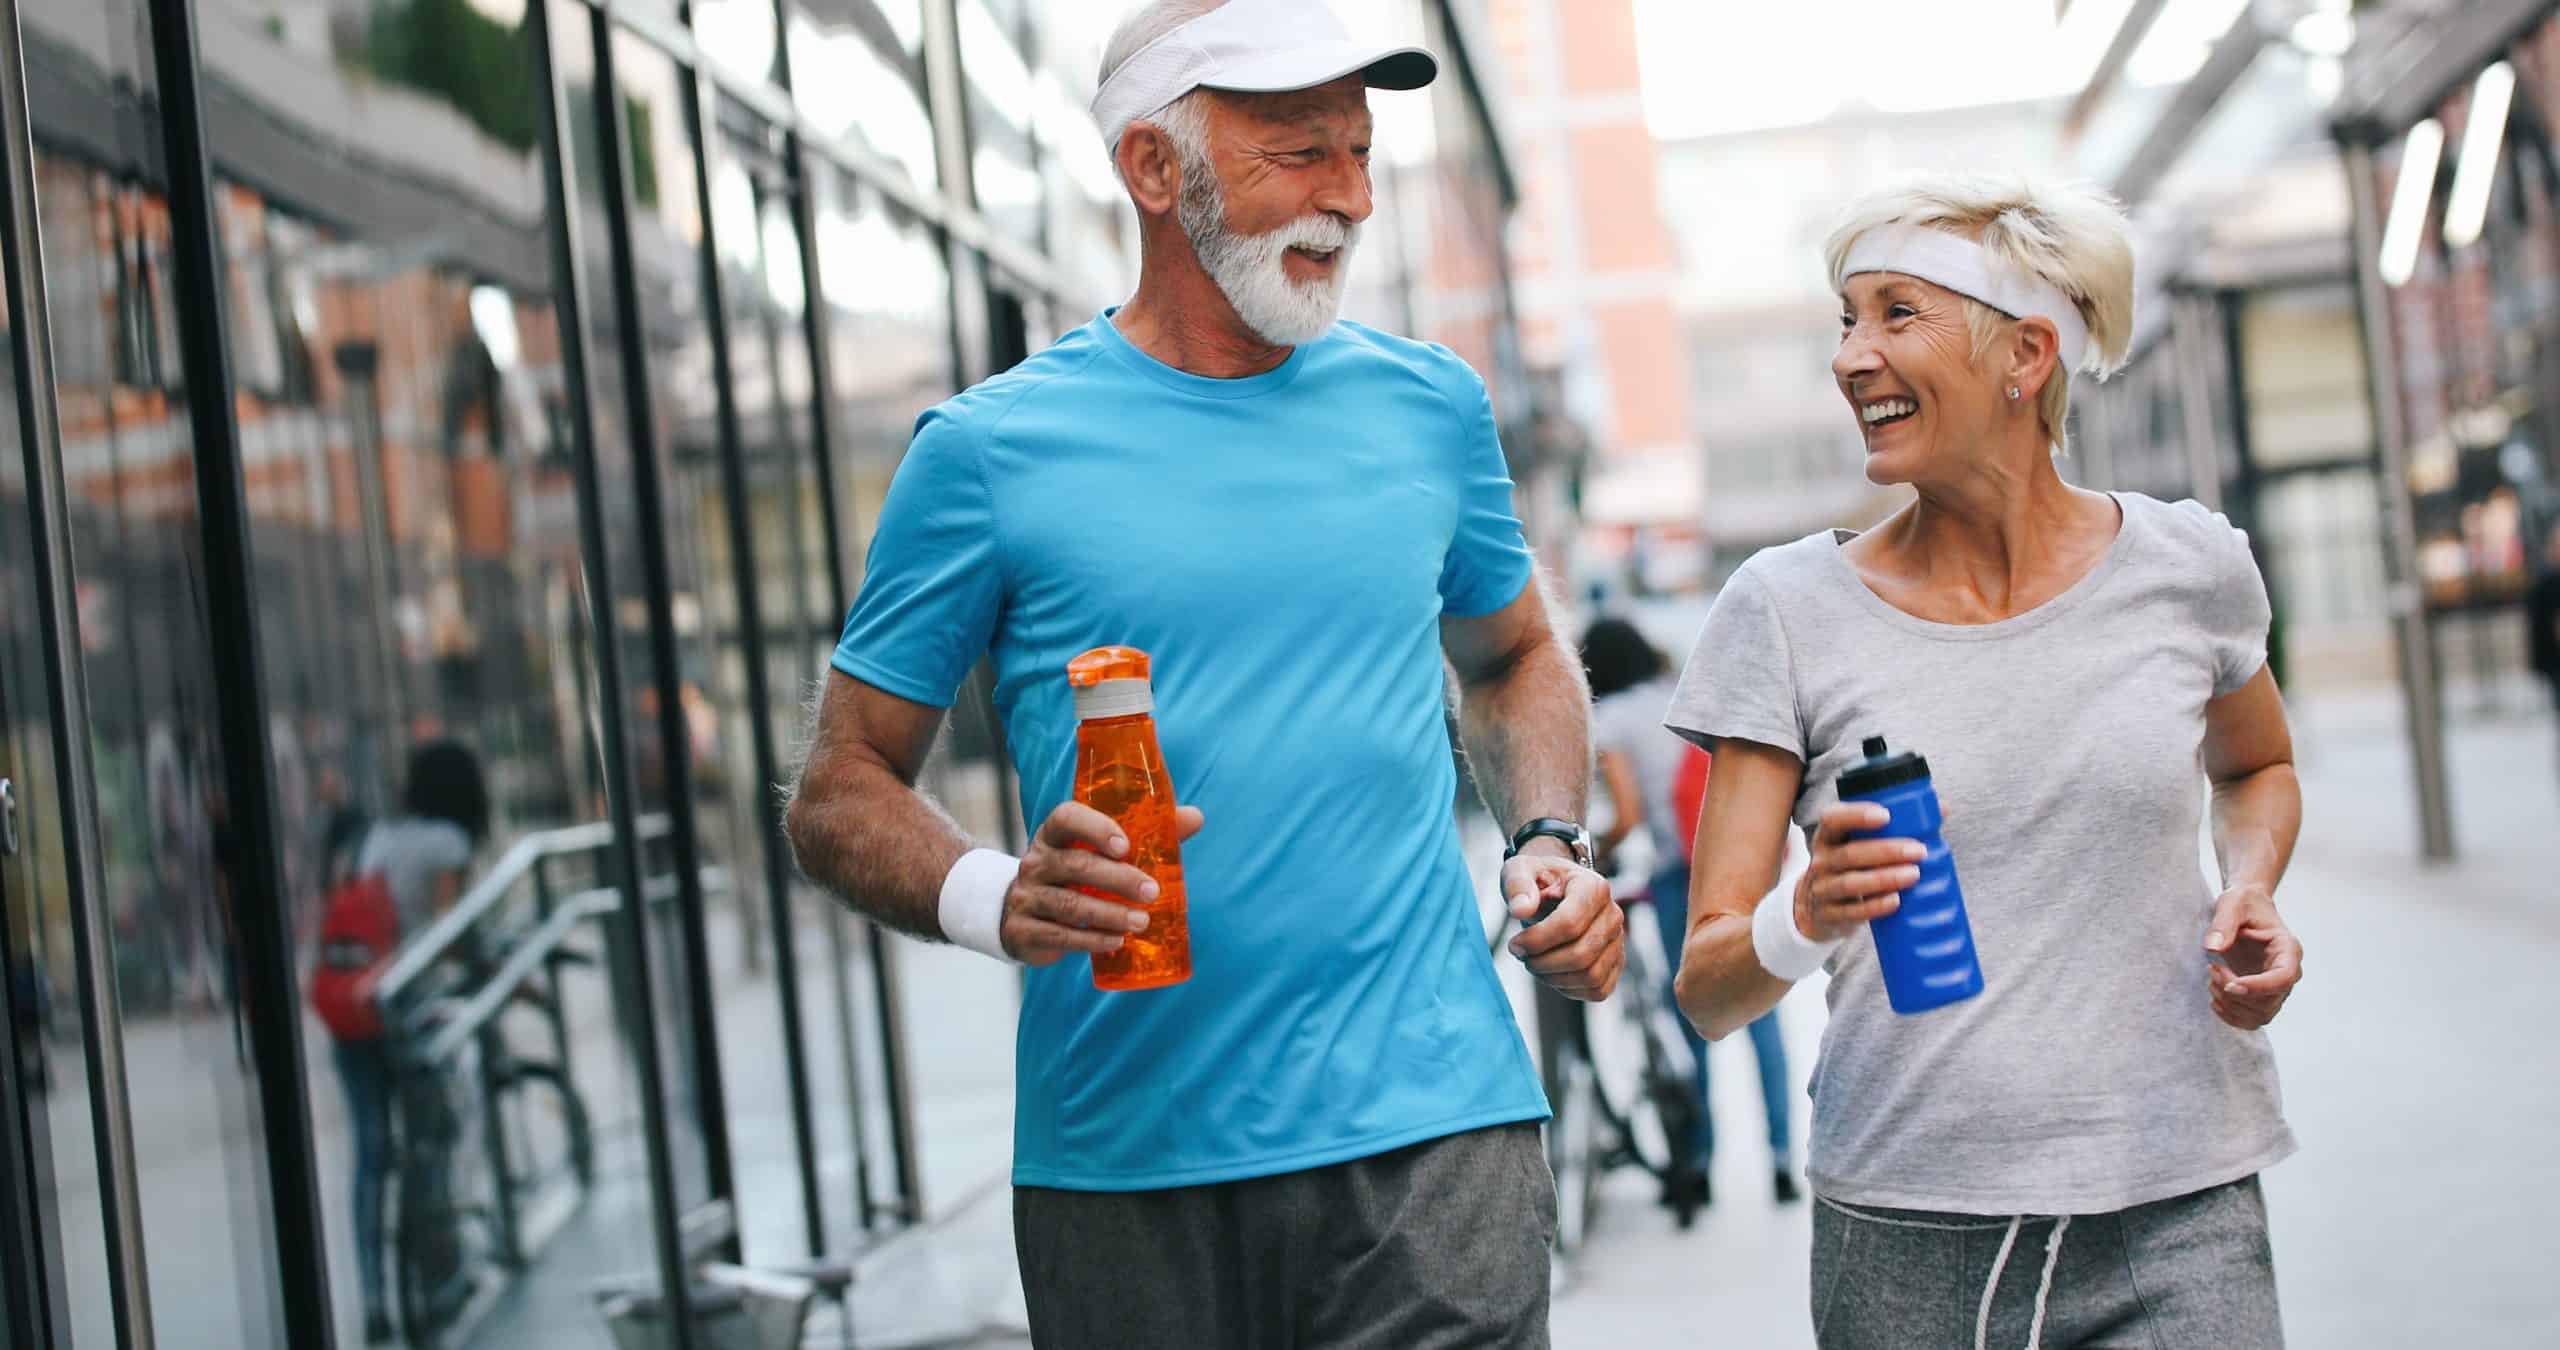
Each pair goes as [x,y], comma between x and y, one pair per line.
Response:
[1249,270]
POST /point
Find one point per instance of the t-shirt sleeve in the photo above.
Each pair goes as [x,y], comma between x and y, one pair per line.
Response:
[2235,613]
[447,846]
[932,582]
[1740,681]
[1488,563]
[1616,721]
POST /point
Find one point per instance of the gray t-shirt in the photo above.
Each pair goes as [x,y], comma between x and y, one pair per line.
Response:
[2066,744]
[1629,722]
[411,852]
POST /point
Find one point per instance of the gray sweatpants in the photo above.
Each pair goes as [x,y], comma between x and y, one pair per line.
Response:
[1438,1246]
[2177,1274]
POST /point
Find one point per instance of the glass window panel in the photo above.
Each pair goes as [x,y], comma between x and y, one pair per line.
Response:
[1091,228]
[51,1068]
[427,649]
[741,35]
[858,75]
[168,855]
[666,236]
[887,290]
[1003,104]
[753,218]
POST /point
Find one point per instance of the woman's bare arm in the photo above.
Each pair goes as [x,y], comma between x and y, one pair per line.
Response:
[1742,841]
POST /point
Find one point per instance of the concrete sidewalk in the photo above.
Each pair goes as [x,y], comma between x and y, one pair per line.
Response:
[2418,1070]
[2416,1062]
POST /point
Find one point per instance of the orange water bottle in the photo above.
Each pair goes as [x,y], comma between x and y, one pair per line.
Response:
[1120,772]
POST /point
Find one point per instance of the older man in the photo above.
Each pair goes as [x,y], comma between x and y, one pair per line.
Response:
[1328,1135]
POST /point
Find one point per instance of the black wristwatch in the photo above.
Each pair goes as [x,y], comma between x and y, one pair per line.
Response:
[1573,836]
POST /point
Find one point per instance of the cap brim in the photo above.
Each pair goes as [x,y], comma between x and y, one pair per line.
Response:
[1322,63]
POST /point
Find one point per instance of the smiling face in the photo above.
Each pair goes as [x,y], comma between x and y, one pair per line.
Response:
[1907,366]
[1274,204]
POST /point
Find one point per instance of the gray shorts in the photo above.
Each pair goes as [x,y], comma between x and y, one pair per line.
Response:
[2192,1271]
[1437,1246]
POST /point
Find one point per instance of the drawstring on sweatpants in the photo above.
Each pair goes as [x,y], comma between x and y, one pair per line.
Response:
[2044,1283]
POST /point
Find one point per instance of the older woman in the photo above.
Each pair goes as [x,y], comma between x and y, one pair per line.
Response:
[2069,1158]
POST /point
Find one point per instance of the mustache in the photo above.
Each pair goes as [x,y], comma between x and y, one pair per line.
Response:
[1319,230]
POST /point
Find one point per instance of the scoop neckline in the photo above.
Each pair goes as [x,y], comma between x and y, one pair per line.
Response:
[2062,603]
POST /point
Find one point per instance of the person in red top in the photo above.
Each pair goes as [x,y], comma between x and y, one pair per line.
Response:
[1655,783]
[2542,616]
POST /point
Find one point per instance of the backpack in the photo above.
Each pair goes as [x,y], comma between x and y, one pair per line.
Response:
[1689,798]
[359,931]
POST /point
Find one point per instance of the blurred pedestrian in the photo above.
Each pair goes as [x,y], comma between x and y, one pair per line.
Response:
[1640,764]
[2081,1140]
[2542,617]
[1327,1135]
[421,857]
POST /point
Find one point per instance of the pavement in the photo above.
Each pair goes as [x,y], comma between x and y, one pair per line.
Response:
[2417,1063]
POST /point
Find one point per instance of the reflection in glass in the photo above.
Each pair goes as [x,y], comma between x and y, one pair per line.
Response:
[425,639]
[167,852]
[1092,230]
[665,222]
[858,75]
[771,384]
[1003,103]
[37,959]
[740,35]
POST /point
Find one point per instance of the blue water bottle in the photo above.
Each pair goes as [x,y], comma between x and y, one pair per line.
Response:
[1925,947]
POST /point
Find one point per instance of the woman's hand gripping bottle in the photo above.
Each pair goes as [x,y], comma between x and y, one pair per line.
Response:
[1926,947]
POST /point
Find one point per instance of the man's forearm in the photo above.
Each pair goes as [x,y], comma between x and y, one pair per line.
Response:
[876,842]
[1527,728]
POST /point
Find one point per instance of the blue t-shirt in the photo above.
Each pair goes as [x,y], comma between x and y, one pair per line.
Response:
[1284,546]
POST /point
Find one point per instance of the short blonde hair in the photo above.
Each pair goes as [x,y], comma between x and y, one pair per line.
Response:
[2073,236]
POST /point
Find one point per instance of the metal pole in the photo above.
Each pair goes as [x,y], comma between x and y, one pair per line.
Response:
[264,940]
[635,996]
[2421,701]
[834,529]
[557,1010]
[67,702]
[658,593]
[493,1132]
[359,361]
[751,633]
[2188,334]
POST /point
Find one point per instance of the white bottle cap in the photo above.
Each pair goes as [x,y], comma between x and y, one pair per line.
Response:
[1115,698]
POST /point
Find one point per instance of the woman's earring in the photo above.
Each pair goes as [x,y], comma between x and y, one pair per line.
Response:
[2013,393]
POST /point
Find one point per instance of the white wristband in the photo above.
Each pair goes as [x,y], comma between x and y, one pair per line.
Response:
[972,909]
[1783,950]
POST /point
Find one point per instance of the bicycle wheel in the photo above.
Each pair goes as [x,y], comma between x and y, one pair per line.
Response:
[1573,1145]
[1641,1065]
[546,1126]
[441,1242]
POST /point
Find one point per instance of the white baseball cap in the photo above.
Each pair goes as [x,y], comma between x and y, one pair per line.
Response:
[1251,47]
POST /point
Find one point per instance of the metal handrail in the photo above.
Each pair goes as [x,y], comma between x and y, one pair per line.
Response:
[483,1007]
[418,955]
[538,946]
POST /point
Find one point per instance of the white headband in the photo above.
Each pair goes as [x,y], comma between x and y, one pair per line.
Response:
[1968,269]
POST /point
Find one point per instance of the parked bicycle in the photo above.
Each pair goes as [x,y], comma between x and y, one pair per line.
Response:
[1619,1079]
[481,1135]
[492,1146]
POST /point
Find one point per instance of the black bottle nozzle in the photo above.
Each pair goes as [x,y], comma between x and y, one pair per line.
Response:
[1881,769]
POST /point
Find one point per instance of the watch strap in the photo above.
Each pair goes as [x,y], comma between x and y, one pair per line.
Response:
[1570,833]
